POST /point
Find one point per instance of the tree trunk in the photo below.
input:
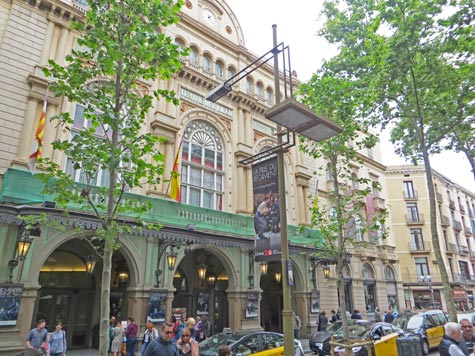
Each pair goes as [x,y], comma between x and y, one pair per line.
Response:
[435,237]
[105,298]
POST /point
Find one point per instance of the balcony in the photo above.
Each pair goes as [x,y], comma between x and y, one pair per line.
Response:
[462,208]
[451,248]
[438,196]
[413,219]
[470,213]
[457,225]
[379,203]
[463,250]
[445,221]
[467,230]
[423,247]
[461,278]
[410,195]
[471,279]
[452,204]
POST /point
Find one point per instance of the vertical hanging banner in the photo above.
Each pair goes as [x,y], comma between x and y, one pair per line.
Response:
[266,210]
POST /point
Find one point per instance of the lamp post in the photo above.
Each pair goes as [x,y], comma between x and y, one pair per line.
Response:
[296,118]
[429,281]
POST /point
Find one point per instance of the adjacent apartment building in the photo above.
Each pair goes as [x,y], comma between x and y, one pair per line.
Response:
[409,210]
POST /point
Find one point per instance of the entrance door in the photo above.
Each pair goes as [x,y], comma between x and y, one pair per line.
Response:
[73,308]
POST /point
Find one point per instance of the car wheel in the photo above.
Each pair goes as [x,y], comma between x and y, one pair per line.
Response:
[425,347]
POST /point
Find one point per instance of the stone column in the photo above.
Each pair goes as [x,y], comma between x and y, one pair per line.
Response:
[27,132]
[60,52]
[45,55]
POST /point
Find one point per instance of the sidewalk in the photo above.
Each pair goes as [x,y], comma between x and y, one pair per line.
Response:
[94,352]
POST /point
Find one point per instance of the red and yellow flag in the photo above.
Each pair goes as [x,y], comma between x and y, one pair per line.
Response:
[175,179]
[38,143]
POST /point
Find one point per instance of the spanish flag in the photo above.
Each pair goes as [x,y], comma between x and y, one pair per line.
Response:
[175,176]
[38,143]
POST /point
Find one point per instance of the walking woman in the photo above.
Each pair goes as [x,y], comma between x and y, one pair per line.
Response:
[118,339]
[57,341]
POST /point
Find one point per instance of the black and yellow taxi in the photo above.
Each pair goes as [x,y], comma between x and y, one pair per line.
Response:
[428,325]
[245,343]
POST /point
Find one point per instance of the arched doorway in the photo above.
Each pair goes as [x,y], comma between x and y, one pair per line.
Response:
[272,302]
[348,285]
[369,284]
[70,294]
[67,295]
[201,281]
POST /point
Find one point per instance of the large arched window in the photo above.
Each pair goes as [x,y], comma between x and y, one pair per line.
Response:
[202,166]
[219,70]
[207,63]
[193,56]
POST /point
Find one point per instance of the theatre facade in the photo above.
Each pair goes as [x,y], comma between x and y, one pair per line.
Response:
[202,259]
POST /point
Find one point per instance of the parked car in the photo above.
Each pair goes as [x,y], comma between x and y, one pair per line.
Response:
[428,325]
[383,334]
[320,338]
[244,343]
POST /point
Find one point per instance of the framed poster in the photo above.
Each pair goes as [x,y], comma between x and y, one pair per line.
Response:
[157,307]
[315,302]
[202,303]
[290,274]
[10,299]
[252,307]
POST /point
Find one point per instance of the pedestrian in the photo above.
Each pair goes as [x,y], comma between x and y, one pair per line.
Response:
[377,315]
[186,345]
[57,341]
[450,342]
[118,339]
[37,337]
[389,317]
[338,314]
[224,350]
[198,329]
[356,315]
[323,321]
[111,332]
[190,324]
[467,342]
[206,326]
[131,335]
[163,345]
[297,326]
[150,334]
[334,316]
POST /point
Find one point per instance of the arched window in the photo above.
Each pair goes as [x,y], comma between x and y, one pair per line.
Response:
[367,271]
[231,72]
[259,90]
[207,63]
[202,173]
[193,56]
[269,96]
[389,274]
[219,70]
[249,86]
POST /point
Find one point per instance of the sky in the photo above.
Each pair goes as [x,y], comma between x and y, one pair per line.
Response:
[298,22]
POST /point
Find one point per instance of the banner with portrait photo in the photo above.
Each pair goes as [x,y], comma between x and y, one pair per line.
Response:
[315,301]
[202,303]
[266,210]
[10,299]
[252,307]
[157,307]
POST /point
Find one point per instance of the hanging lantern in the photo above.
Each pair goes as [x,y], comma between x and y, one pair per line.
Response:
[90,264]
[202,271]
[278,277]
[264,267]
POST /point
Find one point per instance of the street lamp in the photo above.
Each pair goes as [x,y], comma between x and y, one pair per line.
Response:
[429,281]
[296,118]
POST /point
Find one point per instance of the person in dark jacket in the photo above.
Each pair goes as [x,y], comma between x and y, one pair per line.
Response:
[131,334]
[467,342]
[449,345]
[163,346]
[356,314]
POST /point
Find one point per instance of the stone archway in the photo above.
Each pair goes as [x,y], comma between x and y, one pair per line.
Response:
[208,295]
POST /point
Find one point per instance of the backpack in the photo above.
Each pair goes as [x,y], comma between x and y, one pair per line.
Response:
[179,330]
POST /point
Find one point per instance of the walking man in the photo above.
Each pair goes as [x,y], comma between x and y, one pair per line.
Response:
[163,346]
[37,336]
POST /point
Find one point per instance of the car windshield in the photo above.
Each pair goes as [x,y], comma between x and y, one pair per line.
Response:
[209,347]
[401,322]
[415,322]
[334,326]
[356,331]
